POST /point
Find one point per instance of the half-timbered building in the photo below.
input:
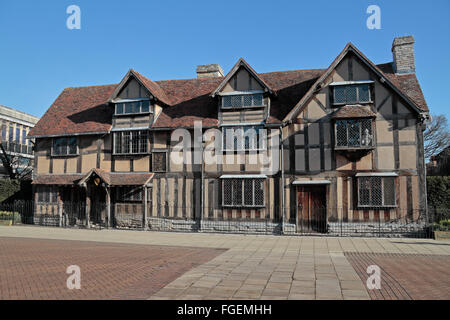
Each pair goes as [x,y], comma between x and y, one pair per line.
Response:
[344,144]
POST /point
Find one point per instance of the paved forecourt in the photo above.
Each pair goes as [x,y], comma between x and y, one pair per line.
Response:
[259,267]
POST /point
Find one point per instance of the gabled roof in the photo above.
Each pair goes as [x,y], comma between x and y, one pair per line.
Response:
[394,81]
[241,63]
[153,88]
[117,178]
[85,110]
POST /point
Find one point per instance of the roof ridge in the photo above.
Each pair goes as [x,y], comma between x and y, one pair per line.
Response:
[94,86]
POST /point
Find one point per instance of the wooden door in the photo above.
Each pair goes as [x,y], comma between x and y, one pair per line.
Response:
[98,204]
[311,210]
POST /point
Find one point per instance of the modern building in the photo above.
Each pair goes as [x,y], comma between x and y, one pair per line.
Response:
[350,148]
[15,126]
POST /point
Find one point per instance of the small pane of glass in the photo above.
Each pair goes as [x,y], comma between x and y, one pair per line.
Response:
[145,106]
[257,100]
[236,101]
[128,107]
[350,94]
[227,102]
[363,93]
[72,145]
[119,108]
[339,94]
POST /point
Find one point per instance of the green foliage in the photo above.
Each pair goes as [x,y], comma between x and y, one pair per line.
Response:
[10,215]
[8,188]
[443,225]
[438,189]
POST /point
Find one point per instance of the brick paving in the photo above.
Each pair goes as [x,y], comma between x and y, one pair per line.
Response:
[257,267]
[36,268]
[406,276]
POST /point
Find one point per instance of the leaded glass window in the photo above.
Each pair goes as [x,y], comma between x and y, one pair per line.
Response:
[376,191]
[354,133]
[350,94]
[243,192]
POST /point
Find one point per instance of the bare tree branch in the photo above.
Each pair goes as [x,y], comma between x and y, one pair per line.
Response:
[436,136]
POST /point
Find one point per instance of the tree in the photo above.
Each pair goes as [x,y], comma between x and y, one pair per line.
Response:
[436,136]
[16,166]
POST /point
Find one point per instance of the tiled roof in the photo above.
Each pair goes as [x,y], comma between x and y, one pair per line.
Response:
[117,178]
[84,109]
[407,83]
[356,111]
[57,179]
[111,178]
[77,110]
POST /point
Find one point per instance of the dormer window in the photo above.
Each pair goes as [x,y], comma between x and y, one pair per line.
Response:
[132,107]
[351,92]
[242,100]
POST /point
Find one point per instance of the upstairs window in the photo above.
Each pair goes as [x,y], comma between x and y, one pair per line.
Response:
[376,192]
[351,94]
[66,146]
[245,192]
[131,142]
[354,133]
[159,161]
[245,138]
[133,107]
[242,101]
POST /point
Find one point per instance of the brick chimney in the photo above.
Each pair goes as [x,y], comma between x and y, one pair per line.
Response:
[403,55]
[209,71]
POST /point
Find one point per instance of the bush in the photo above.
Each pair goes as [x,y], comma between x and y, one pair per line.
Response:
[438,189]
[10,215]
[8,188]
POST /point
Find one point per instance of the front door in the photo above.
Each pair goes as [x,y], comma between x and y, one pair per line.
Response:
[98,205]
[311,210]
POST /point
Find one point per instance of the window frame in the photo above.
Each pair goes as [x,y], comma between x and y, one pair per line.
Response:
[121,192]
[357,85]
[360,147]
[166,160]
[131,135]
[123,103]
[241,147]
[67,154]
[371,205]
[241,95]
[242,204]
[47,195]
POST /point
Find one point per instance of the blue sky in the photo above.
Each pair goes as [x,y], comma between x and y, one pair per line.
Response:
[39,55]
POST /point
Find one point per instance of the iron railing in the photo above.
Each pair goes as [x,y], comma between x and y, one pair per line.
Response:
[318,221]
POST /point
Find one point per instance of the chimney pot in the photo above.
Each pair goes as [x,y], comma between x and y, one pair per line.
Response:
[209,71]
[403,55]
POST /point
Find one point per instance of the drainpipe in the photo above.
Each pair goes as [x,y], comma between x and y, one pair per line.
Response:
[282,178]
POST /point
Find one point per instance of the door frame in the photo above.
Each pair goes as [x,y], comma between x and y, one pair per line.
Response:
[299,209]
